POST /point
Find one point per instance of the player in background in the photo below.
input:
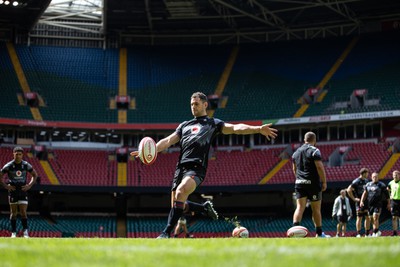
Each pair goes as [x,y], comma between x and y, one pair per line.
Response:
[374,194]
[342,212]
[310,181]
[394,190]
[17,186]
[195,138]
[355,191]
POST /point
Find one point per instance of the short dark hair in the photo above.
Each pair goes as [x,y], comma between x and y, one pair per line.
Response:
[310,137]
[18,149]
[200,95]
[363,170]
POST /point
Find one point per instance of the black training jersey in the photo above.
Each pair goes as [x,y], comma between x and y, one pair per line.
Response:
[376,193]
[17,172]
[196,137]
[358,185]
[304,158]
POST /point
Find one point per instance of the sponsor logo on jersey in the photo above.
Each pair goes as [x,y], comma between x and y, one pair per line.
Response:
[18,173]
[195,129]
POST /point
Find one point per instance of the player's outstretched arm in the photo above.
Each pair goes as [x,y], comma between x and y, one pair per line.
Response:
[162,144]
[242,128]
[167,142]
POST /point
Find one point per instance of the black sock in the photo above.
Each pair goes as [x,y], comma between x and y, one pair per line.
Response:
[174,215]
[376,230]
[170,215]
[13,225]
[24,222]
[296,223]
[367,232]
[193,206]
[318,229]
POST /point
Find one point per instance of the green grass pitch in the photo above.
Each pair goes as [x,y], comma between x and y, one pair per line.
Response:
[220,252]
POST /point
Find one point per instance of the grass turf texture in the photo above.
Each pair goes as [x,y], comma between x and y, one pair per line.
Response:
[219,252]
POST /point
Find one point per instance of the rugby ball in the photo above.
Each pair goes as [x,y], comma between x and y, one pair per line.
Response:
[240,232]
[147,151]
[297,232]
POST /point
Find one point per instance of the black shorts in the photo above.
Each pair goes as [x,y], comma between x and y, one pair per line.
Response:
[18,197]
[195,171]
[312,193]
[374,209]
[342,219]
[361,211]
[395,207]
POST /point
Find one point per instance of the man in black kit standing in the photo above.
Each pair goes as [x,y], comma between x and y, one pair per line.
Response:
[374,194]
[17,186]
[355,191]
[195,138]
[310,181]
